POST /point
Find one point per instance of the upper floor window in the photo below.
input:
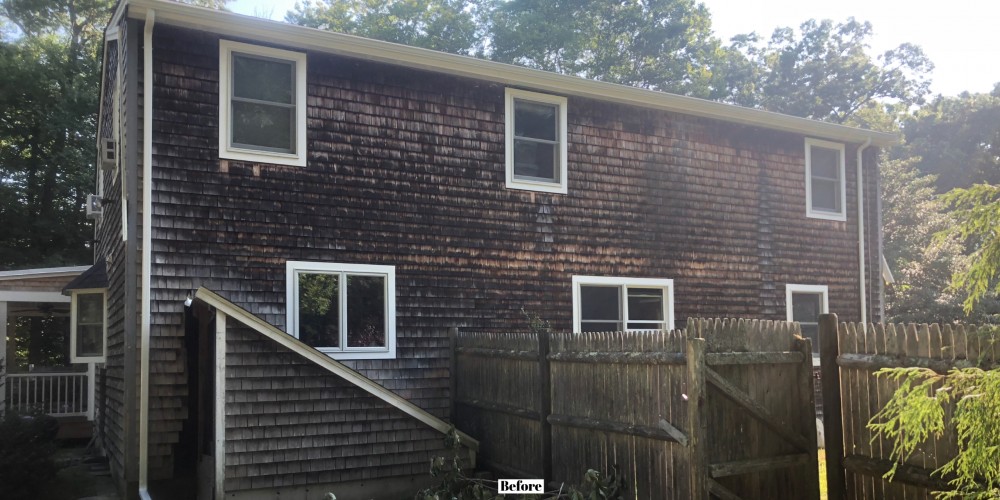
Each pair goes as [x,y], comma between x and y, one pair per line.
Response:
[605,304]
[804,303]
[88,326]
[345,310]
[536,141]
[262,104]
[826,196]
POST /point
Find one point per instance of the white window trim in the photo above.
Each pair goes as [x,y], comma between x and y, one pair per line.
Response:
[293,268]
[624,283]
[298,158]
[73,358]
[822,290]
[823,214]
[529,185]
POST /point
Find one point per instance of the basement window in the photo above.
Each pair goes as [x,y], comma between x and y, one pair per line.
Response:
[262,104]
[88,326]
[804,303]
[535,141]
[345,310]
[826,196]
[605,304]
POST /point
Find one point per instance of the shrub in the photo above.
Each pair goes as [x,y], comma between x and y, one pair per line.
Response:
[27,445]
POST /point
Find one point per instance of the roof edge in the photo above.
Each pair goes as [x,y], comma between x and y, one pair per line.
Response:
[331,365]
[238,25]
[42,272]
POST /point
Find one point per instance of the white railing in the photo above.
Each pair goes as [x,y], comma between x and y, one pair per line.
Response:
[57,394]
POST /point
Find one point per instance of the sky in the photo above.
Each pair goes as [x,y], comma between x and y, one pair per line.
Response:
[961,37]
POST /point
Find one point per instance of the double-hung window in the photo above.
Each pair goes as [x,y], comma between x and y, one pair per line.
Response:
[804,303]
[262,104]
[345,310]
[605,304]
[826,196]
[88,325]
[535,141]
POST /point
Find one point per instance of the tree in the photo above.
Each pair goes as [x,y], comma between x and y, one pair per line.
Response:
[957,138]
[825,72]
[977,211]
[48,105]
[656,44]
[444,25]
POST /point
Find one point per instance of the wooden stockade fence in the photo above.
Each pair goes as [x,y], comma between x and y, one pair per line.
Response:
[723,406]
[853,395]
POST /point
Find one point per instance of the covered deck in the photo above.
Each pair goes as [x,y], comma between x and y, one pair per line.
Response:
[36,372]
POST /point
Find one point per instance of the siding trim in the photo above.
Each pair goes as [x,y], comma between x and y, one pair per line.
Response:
[43,272]
[323,361]
[147,242]
[220,405]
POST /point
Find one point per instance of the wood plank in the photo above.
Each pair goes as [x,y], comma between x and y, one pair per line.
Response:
[717,489]
[500,408]
[697,428]
[754,465]
[604,357]
[909,474]
[777,425]
[752,358]
[483,352]
[659,433]
[833,424]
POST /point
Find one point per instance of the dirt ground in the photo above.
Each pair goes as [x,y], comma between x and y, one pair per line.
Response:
[77,480]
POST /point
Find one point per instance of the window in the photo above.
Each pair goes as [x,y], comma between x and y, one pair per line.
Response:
[345,310]
[825,187]
[804,303]
[262,104]
[603,304]
[536,141]
[88,326]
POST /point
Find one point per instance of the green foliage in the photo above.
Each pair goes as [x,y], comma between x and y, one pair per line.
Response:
[956,138]
[445,25]
[825,72]
[48,105]
[977,212]
[455,485]
[918,409]
[27,444]
[536,323]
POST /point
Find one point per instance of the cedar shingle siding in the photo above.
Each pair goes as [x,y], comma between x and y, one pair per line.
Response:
[406,168]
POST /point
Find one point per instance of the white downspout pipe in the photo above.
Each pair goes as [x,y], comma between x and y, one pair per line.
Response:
[861,233]
[147,251]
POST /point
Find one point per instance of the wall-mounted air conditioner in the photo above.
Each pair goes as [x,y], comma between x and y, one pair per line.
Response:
[109,154]
[94,206]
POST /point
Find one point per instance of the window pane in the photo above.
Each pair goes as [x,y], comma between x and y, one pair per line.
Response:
[826,195]
[646,326]
[90,309]
[264,126]
[600,326]
[645,304]
[319,312]
[365,311]
[824,162]
[535,160]
[806,307]
[600,303]
[89,340]
[535,120]
[263,79]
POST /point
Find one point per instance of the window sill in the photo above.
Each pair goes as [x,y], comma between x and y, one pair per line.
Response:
[293,160]
[814,214]
[357,355]
[542,187]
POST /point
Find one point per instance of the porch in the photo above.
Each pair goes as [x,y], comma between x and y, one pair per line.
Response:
[36,372]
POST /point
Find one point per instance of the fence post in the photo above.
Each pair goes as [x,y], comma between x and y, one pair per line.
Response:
[453,374]
[545,404]
[807,405]
[698,455]
[833,422]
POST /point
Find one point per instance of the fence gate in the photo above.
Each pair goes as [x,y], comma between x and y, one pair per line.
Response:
[723,407]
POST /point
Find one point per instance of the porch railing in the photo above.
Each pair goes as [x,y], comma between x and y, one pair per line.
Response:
[57,394]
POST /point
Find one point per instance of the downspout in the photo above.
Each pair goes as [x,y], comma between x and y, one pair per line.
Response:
[861,233]
[147,251]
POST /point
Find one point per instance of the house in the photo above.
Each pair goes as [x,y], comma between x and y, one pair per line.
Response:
[292,220]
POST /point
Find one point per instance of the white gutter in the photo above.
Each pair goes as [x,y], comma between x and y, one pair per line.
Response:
[861,233]
[243,27]
[147,251]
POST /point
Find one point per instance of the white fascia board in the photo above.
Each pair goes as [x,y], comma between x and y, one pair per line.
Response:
[288,35]
[44,272]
